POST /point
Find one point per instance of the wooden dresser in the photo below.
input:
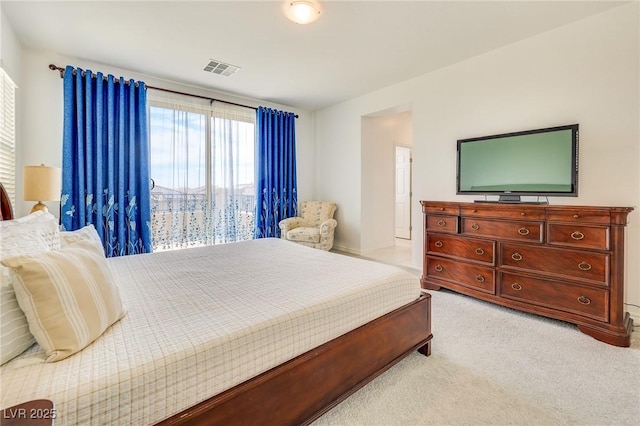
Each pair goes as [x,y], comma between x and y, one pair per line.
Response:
[563,262]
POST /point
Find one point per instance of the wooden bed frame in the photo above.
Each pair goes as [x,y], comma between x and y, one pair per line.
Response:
[6,212]
[302,389]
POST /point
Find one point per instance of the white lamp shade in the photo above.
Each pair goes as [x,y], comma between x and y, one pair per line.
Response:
[42,183]
[302,11]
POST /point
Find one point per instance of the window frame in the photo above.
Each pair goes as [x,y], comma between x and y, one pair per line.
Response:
[211,110]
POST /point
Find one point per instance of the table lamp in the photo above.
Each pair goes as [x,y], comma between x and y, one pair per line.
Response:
[42,183]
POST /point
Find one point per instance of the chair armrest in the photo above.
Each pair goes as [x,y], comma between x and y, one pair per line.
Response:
[328,226]
[288,224]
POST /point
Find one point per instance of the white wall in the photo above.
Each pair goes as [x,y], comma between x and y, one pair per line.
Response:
[586,72]
[9,49]
[41,111]
[380,134]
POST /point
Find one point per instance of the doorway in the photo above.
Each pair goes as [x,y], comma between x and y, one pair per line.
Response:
[387,147]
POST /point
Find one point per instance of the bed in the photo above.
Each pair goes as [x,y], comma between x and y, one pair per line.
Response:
[263,331]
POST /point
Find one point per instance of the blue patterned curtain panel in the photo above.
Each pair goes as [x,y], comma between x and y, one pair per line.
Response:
[276,185]
[105,160]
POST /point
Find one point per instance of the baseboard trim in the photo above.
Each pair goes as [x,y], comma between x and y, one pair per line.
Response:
[346,250]
[378,247]
[634,313]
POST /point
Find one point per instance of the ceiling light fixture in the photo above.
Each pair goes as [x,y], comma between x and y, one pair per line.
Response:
[303,11]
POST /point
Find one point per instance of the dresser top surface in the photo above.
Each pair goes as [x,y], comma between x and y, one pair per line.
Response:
[617,215]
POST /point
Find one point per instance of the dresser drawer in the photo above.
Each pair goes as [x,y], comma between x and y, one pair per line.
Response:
[474,276]
[518,231]
[595,237]
[440,208]
[437,223]
[579,265]
[588,301]
[461,247]
[503,211]
[568,215]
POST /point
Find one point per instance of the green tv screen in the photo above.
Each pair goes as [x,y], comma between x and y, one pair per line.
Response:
[535,162]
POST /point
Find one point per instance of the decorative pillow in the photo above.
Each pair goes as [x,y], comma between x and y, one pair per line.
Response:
[15,337]
[35,233]
[42,224]
[87,233]
[68,296]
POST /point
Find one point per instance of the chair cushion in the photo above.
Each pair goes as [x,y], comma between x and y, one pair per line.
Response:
[316,212]
[304,234]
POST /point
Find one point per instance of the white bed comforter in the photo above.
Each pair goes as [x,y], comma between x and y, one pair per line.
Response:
[202,320]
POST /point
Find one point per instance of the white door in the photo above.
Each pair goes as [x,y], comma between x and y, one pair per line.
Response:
[403,192]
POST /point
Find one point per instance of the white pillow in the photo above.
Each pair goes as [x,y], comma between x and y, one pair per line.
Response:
[14,328]
[19,233]
[32,234]
[87,233]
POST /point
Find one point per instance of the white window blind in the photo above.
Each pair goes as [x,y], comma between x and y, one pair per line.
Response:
[8,135]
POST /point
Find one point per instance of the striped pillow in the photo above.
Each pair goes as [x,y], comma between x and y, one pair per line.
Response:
[15,337]
[68,296]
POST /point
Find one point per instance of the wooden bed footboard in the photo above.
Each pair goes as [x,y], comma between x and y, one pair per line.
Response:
[302,389]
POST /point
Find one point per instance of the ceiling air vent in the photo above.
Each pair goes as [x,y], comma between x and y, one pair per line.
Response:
[220,68]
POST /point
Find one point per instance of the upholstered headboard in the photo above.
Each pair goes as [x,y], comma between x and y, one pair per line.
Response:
[6,211]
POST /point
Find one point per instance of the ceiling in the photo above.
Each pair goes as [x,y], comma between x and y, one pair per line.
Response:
[354,48]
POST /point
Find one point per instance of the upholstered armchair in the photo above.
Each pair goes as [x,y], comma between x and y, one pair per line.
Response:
[314,227]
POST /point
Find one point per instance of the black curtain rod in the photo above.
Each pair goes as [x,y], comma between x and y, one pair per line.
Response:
[53,67]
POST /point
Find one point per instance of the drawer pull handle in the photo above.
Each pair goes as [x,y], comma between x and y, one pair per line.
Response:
[516,256]
[575,216]
[577,235]
[479,251]
[479,278]
[439,268]
[441,209]
[523,231]
[523,214]
[584,300]
[442,222]
[439,244]
[584,266]
[475,226]
[516,286]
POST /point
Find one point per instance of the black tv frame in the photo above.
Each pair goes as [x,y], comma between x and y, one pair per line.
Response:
[514,196]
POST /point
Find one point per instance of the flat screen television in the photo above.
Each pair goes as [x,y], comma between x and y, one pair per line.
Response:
[541,162]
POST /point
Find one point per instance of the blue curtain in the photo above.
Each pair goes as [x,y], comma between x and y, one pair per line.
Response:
[105,160]
[276,186]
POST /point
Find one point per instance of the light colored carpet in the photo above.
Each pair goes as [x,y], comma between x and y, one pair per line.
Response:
[495,366]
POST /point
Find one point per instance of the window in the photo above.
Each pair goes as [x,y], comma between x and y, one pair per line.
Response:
[8,135]
[202,166]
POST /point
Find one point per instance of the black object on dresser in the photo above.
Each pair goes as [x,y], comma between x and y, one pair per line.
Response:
[563,262]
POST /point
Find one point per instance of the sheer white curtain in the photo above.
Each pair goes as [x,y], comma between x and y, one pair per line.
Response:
[202,166]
